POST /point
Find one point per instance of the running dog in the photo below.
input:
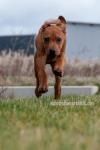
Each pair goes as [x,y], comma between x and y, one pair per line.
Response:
[50,44]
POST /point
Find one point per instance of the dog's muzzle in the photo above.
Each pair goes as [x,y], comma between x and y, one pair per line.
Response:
[52,53]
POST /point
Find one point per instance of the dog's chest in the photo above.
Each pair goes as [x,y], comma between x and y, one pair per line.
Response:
[50,60]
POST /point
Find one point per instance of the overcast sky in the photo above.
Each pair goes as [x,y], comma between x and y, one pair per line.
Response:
[26,16]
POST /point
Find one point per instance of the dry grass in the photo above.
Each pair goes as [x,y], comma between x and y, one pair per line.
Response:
[18,69]
[16,64]
[83,68]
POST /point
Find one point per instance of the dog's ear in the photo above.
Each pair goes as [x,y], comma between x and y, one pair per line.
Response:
[63,23]
[45,25]
[62,19]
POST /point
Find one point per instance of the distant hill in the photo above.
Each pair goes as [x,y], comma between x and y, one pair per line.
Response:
[20,43]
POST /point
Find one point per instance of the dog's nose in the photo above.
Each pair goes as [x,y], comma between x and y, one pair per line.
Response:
[52,52]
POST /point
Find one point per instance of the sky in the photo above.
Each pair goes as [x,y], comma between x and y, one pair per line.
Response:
[26,16]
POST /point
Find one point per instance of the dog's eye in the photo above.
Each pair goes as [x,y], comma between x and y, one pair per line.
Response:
[58,39]
[46,40]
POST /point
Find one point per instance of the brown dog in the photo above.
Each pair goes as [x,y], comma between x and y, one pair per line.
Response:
[50,44]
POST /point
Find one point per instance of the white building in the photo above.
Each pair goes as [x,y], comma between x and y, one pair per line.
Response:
[83,40]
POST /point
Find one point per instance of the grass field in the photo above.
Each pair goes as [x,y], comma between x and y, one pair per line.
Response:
[35,124]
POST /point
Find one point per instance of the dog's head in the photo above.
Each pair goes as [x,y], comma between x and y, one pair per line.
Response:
[54,36]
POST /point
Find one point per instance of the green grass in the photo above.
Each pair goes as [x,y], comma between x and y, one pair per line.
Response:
[34,124]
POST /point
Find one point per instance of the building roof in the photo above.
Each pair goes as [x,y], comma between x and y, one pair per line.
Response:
[83,22]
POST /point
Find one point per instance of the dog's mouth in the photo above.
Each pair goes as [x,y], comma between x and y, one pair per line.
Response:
[52,53]
[52,57]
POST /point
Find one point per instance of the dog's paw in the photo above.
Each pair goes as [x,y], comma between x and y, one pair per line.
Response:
[37,93]
[43,89]
[58,72]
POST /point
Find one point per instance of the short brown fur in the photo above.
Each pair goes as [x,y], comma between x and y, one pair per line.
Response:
[50,44]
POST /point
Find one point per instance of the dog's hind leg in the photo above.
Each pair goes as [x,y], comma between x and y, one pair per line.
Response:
[57,84]
[57,87]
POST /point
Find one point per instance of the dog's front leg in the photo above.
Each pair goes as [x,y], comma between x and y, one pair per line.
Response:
[58,68]
[41,77]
